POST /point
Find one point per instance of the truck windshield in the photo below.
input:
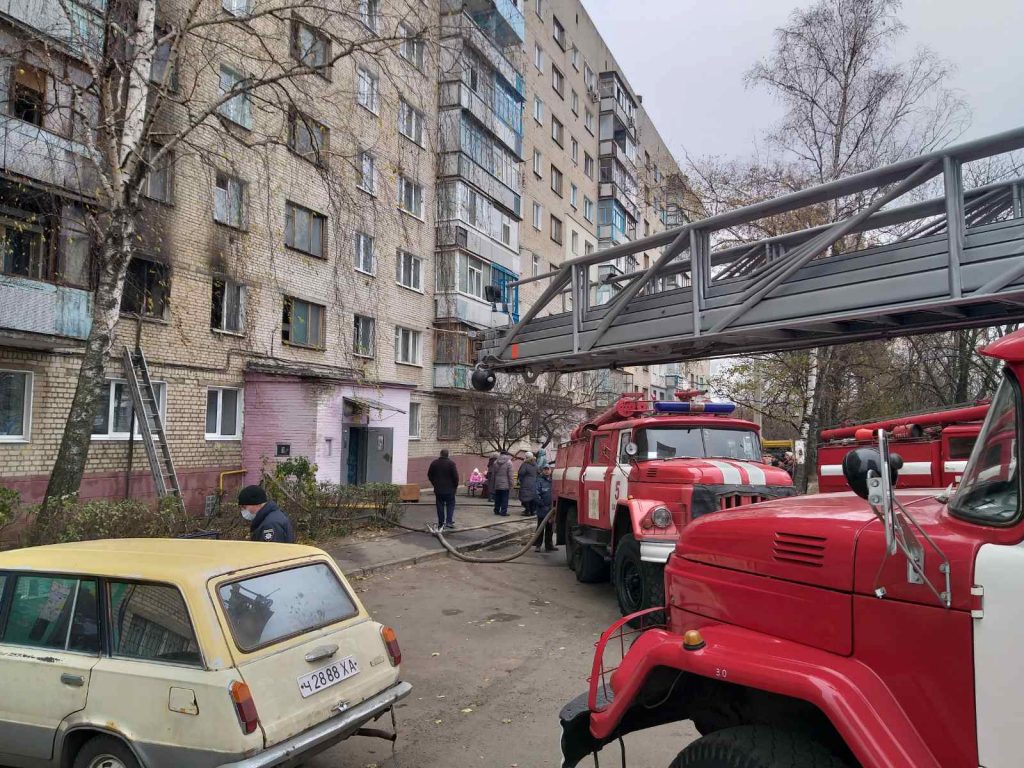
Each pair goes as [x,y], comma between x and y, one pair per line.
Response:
[697,443]
[989,491]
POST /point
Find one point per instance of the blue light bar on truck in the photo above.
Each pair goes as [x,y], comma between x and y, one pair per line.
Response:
[669,406]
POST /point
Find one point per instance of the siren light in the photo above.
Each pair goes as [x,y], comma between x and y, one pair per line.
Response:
[668,406]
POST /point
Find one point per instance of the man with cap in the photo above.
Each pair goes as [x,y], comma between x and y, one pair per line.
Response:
[267,521]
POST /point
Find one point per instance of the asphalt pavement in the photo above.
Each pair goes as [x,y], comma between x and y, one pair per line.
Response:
[492,652]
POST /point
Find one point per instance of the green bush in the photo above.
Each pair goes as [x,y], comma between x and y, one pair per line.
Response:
[321,511]
[68,519]
[10,501]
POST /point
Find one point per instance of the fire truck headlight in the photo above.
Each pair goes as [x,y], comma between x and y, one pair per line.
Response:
[661,517]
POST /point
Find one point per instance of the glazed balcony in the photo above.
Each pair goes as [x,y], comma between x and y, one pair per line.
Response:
[462,25]
[40,312]
[36,153]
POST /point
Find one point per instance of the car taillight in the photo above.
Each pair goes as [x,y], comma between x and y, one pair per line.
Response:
[245,707]
[387,634]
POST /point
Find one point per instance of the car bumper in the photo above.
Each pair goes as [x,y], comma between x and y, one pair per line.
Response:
[322,736]
[656,550]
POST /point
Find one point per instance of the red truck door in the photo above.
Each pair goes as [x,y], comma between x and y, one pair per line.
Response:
[594,499]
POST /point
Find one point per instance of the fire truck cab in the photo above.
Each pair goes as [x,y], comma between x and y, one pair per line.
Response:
[934,446]
[629,480]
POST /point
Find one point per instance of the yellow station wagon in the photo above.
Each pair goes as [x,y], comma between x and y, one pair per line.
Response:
[168,653]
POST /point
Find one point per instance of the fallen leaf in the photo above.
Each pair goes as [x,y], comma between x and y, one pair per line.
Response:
[466,711]
[435,653]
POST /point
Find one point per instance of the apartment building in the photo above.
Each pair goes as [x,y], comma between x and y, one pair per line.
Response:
[281,285]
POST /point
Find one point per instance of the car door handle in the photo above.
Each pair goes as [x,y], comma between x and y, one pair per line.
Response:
[76,681]
[321,653]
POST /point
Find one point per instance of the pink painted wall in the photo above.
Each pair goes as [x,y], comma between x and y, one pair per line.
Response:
[278,409]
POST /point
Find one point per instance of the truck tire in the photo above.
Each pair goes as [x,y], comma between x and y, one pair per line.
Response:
[756,746]
[638,585]
[105,752]
[590,567]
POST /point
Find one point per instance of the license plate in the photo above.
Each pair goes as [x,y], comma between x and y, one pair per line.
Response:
[325,677]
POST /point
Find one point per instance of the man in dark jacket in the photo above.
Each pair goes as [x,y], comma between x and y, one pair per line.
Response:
[543,506]
[267,521]
[444,476]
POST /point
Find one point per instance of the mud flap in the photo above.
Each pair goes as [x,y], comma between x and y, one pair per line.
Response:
[577,741]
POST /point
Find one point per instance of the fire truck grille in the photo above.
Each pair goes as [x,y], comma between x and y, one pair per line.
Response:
[799,549]
[733,500]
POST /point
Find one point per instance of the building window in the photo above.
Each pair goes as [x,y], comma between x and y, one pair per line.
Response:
[223,413]
[556,181]
[449,418]
[15,406]
[304,230]
[407,345]
[23,250]
[147,289]
[471,276]
[28,93]
[311,47]
[114,418]
[409,271]
[558,81]
[227,306]
[538,57]
[366,260]
[368,92]
[237,109]
[589,78]
[536,265]
[164,72]
[588,165]
[414,421]
[556,229]
[574,150]
[412,46]
[574,56]
[365,329]
[538,163]
[307,137]
[574,102]
[537,213]
[410,197]
[538,109]
[573,194]
[588,120]
[574,240]
[506,230]
[557,131]
[558,32]
[229,200]
[410,122]
[367,172]
[236,7]
[302,323]
[159,182]
[588,209]
[588,248]
[369,14]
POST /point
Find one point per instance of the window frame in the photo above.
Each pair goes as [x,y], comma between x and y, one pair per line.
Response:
[218,436]
[147,293]
[244,99]
[538,216]
[451,434]
[26,409]
[299,121]
[413,118]
[417,409]
[323,324]
[558,81]
[106,610]
[290,208]
[557,181]
[363,73]
[557,131]
[110,436]
[414,44]
[242,292]
[402,258]
[359,327]
[165,169]
[297,25]
[403,183]
[243,222]
[560,228]
[359,245]
[418,336]
[558,33]
[364,156]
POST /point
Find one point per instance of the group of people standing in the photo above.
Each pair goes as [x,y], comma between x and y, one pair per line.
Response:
[500,479]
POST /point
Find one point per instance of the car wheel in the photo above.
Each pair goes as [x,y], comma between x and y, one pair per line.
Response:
[756,746]
[105,752]
[572,519]
[589,566]
[638,585]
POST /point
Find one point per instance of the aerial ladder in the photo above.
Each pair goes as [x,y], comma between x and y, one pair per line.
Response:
[954,261]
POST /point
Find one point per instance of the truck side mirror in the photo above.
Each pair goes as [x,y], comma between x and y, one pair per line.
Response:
[631,450]
[858,462]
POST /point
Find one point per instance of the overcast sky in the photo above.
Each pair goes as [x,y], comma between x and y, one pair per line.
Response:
[687,58]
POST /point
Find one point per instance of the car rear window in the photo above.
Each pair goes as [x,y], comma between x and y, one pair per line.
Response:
[55,612]
[264,609]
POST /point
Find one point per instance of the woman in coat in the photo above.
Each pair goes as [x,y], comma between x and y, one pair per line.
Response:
[528,474]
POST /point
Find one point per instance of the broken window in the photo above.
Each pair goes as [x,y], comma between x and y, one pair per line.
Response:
[311,47]
[229,200]
[159,181]
[147,289]
[23,249]
[307,137]
[28,93]
[227,306]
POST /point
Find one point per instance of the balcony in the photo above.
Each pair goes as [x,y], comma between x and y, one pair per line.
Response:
[462,25]
[614,191]
[452,376]
[465,309]
[500,19]
[45,309]
[610,105]
[460,165]
[458,94]
[79,29]
[610,148]
[36,153]
[454,233]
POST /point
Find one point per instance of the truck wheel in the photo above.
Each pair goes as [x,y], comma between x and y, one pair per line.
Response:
[589,566]
[756,746]
[638,585]
[105,752]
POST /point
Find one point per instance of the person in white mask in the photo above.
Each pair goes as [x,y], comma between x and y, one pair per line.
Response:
[267,521]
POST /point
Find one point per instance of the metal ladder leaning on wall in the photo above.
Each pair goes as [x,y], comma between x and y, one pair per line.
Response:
[147,411]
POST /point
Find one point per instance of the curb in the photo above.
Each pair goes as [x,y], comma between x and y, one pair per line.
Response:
[501,538]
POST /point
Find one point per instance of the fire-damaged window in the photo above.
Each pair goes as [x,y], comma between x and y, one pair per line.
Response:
[147,289]
[227,306]
[28,93]
[302,323]
[23,248]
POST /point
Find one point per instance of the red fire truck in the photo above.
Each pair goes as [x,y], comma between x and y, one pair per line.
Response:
[630,479]
[879,628]
[934,446]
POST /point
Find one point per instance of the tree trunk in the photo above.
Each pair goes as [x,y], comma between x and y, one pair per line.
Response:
[69,467]
[809,419]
